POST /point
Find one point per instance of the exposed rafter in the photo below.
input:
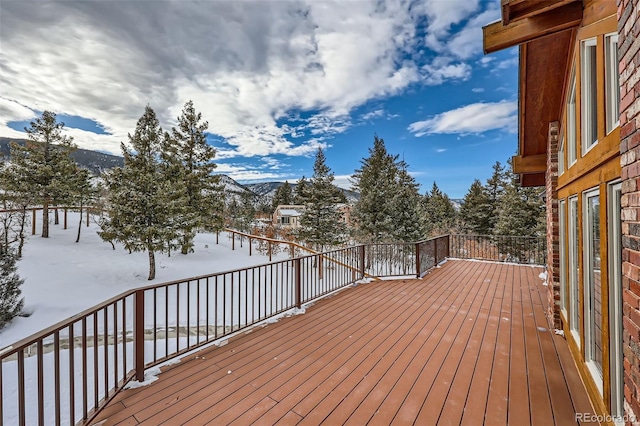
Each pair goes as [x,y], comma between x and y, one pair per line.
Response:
[514,10]
[498,36]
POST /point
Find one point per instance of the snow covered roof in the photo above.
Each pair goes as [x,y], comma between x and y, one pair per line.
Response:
[289,212]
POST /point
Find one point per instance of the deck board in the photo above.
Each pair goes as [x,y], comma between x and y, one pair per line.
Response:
[468,344]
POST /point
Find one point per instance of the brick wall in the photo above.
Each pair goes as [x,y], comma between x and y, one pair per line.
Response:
[629,54]
[553,243]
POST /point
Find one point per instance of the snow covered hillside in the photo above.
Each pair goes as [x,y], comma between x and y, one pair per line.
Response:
[63,278]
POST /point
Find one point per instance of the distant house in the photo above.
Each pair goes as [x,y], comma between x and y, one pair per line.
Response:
[288,215]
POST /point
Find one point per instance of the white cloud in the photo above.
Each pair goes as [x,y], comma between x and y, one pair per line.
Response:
[373,114]
[437,72]
[477,89]
[245,65]
[241,172]
[440,150]
[475,118]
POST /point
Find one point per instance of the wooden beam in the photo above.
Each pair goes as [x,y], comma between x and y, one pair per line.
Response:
[497,36]
[535,179]
[515,10]
[529,164]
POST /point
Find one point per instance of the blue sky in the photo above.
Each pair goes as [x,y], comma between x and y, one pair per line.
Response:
[276,80]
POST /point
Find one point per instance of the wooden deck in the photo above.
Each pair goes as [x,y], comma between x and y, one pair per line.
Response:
[466,345]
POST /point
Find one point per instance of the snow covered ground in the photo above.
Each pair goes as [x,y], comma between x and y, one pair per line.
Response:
[63,278]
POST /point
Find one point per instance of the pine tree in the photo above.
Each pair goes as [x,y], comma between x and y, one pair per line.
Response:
[14,199]
[246,211]
[521,211]
[301,192]
[374,213]
[188,161]
[10,301]
[406,202]
[82,192]
[476,211]
[495,189]
[43,164]
[321,223]
[143,201]
[283,196]
[439,214]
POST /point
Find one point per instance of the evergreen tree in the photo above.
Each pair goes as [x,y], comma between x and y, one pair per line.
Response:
[143,201]
[283,196]
[321,223]
[10,301]
[246,211]
[476,211]
[375,213]
[83,192]
[188,160]
[439,214]
[406,203]
[44,165]
[521,210]
[15,197]
[495,189]
[301,192]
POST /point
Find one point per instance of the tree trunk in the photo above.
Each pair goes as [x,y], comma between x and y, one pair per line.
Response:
[79,224]
[152,264]
[56,218]
[23,222]
[45,219]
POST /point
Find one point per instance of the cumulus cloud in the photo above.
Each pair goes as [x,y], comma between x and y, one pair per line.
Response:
[474,118]
[246,65]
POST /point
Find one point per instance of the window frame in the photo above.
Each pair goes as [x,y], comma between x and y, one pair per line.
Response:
[572,123]
[588,99]
[612,82]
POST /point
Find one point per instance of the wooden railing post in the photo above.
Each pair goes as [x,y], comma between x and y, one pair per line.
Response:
[435,252]
[362,265]
[298,283]
[233,241]
[33,221]
[249,246]
[87,210]
[65,218]
[448,251]
[138,335]
[417,260]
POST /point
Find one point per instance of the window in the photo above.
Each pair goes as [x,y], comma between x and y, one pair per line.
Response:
[571,123]
[615,300]
[563,267]
[561,156]
[589,90]
[285,220]
[612,76]
[574,271]
[592,286]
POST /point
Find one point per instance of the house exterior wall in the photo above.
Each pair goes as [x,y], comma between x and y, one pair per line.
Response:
[629,56]
[553,237]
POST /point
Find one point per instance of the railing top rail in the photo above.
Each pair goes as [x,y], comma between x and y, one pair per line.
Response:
[495,236]
[27,341]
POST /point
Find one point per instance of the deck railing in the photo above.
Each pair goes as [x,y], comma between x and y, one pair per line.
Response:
[501,248]
[66,373]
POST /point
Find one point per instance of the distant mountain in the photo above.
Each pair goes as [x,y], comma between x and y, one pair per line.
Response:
[457,203]
[267,190]
[95,161]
